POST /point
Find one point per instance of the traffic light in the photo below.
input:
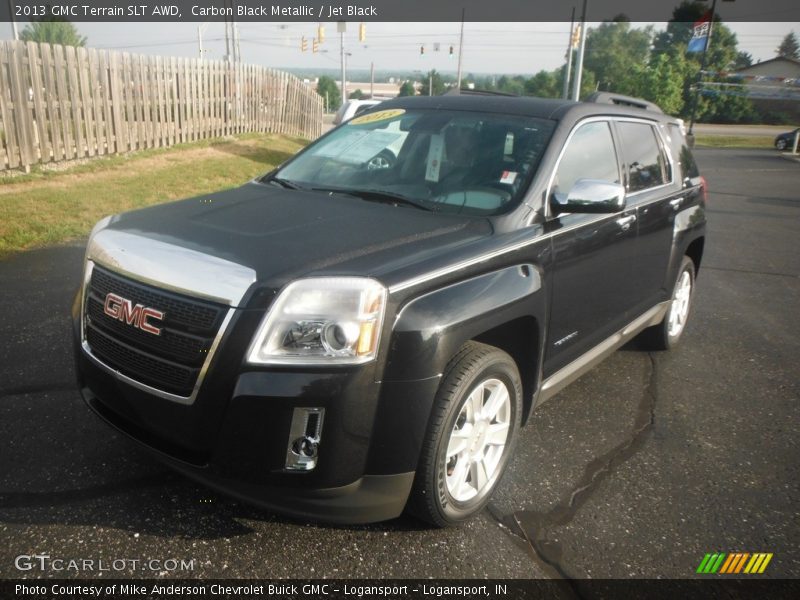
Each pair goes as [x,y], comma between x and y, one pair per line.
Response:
[303,44]
[315,45]
[422,50]
[362,32]
[576,36]
[321,33]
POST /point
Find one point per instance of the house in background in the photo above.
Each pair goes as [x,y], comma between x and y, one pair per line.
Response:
[774,88]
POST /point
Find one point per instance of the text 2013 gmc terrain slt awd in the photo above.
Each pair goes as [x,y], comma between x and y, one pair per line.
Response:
[366,328]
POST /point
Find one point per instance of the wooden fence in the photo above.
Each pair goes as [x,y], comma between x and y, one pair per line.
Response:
[60,103]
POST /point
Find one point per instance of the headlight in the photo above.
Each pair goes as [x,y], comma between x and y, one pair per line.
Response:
[325,320]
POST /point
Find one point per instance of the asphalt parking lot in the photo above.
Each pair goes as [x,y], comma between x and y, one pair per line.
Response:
[636,470]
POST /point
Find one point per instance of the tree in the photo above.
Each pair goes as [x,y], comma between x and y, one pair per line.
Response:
[438,83]
[327,88]
[357,95]
[545,84]
[790,47]
[407,89]
[716,102]
[511,85]
[743,59]
[662,83]
[53,31]
[617,54]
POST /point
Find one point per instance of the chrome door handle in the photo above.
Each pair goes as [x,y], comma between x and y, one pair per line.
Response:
[676,203]
[626,222]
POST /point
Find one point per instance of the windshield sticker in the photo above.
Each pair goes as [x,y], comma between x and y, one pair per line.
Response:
[508,177]
[508,149]
[368,146]
[434,158]
[381,115]
[338,146]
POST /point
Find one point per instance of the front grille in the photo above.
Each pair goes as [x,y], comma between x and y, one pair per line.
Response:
[170,361]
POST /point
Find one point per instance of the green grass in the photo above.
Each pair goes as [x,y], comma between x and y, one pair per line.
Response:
[50,207]
[734,141]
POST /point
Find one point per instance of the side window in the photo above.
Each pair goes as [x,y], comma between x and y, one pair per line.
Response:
[681,152]
[645,162]
[589,155]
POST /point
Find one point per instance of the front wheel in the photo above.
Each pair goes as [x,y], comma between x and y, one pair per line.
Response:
[666,334]
[780,144]
[471,435]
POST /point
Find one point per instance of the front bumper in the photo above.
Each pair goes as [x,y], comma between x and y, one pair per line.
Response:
[234,437]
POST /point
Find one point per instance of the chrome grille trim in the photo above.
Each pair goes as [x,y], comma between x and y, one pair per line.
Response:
[172,269]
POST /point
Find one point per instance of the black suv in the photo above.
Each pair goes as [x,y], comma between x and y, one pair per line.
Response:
[366,328]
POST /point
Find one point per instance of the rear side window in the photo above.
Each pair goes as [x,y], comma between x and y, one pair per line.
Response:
[589,155]
[681,152]
[646,165]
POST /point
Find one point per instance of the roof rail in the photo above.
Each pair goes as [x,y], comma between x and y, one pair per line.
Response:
[620,100]
[467,92]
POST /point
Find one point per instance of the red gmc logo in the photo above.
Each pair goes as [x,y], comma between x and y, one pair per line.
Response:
[137,315]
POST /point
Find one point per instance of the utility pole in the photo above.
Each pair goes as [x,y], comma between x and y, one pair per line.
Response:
[371,80]
[568,70]
[576,92]
[227,40]
[13,20]
[430,82]
[342,26]
[703,64]
[460,50]
[237,57]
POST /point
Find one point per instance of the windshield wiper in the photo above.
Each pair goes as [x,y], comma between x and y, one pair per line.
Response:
[285,183]
[378,196]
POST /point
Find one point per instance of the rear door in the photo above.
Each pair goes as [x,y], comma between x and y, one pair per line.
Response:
[648,174]
[592,254]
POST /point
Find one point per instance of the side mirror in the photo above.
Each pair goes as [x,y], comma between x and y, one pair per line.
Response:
[591,196]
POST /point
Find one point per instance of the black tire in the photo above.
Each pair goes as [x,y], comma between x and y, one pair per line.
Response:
[781,144]
[660,337]
[473,365]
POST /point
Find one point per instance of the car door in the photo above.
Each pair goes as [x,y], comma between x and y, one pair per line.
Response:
[648,176]
[592,254]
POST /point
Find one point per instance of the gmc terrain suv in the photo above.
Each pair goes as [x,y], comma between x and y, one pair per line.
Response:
[345,337]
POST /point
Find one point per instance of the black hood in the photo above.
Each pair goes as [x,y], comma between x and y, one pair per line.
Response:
[283,234]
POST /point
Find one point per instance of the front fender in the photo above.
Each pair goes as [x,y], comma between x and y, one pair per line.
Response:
[426,334]
[431,328]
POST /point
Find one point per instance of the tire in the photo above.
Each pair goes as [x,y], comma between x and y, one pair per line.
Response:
[450,489]
[667,334]
[780,144]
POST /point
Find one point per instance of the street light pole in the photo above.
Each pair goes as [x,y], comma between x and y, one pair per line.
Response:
[703,64]
[342,26]
[460,49]
[576,91]
[568,71]
[13,20]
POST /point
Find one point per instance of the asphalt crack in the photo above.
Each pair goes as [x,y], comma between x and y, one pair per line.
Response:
[534,527]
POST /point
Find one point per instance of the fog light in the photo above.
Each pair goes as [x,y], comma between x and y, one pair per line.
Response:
[304,436]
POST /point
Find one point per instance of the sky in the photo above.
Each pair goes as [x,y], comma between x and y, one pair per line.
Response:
[488,47]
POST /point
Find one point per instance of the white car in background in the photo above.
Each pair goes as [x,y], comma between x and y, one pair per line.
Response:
[351,108]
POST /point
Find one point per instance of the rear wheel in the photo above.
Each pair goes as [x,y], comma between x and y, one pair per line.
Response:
[666,334]
[780,144]
[471,435]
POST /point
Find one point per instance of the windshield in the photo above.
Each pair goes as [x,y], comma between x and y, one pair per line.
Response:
[440,160]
